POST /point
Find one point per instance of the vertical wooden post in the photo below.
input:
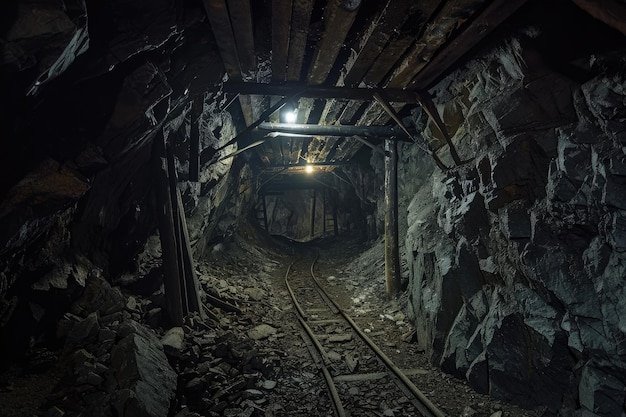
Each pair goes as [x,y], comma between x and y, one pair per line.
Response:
[324,211]
[194,141]
[193,285]
[171,278]
[392,252]
[313,214]
[265,213]
[334,205]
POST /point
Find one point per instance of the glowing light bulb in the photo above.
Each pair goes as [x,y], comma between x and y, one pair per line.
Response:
[290,116]
[309,169]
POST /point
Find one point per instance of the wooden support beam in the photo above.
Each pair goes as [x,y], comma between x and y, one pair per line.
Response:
[453,14]
[217,12]
[430,109]
[265,213]
[391,16]
[392,251]
[194,141]
[193,284]
[204,155]
[171,278]
[392,113]
[300,21]
[332,130]
[400,43]
[494,14]
[241,20]
[338,18]
[281,19]
[312,91]
[313,213]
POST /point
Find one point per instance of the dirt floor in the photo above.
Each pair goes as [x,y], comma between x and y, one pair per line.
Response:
[353,273]
[255,361]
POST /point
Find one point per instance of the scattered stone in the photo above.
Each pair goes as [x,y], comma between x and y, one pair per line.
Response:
[147,381]
[174,340]
[268,384]
[262,331]
[255,294]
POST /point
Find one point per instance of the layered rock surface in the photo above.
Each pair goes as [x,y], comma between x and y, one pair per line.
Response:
[517,258]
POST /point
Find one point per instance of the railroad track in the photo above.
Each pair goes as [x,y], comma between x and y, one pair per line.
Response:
[361,379]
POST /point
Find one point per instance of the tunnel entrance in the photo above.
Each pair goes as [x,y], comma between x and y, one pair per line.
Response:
[309,206]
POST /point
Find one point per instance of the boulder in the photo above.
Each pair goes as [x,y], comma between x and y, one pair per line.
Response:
[146,380]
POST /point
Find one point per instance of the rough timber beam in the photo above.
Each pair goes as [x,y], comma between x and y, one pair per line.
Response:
[217,12]
[338,18]
[300,21]
[488,20]
[366,94]
[375,37]
[281,23]
[332,130]
[241,20]
[453,14]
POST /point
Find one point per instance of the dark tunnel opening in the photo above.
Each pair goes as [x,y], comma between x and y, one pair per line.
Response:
[453,176]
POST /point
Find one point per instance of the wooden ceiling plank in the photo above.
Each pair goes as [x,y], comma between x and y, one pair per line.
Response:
[374,39]
[488,20]
[217,12]
[241,20]
[281,18]
[452,15]
[300,21]
[296,150]
[349,112]
[332,111]
[329,145]
[401,41]
[322,92]
[338,18]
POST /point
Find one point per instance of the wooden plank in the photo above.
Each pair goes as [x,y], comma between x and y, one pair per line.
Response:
[349,112]
[321,92]
[401,41]
[217,12]
[382,28]
[392,251]
[453,14]
[338,18]
[281,18]
[300,21]
[241,20]
[372,376]
[489,19]
[193,285]
[194,141]
[171,278]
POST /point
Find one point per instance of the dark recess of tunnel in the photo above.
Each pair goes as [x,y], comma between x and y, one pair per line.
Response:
[80,102]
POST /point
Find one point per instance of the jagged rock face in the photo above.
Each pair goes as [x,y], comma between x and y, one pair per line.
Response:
[88,92]
[517,259]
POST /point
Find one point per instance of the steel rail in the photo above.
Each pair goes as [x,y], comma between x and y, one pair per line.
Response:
[339,410]
[428,409]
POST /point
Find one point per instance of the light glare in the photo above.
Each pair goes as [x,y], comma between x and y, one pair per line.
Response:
[290,116]
[309,169]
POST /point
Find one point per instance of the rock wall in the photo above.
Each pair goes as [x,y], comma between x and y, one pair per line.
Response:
[78,173]
[517,258]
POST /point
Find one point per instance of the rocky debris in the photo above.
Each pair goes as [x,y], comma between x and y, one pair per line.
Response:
[146,380]
[516,270]
[262,331]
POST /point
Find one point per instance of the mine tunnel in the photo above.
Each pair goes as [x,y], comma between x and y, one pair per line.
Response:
[313,208]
